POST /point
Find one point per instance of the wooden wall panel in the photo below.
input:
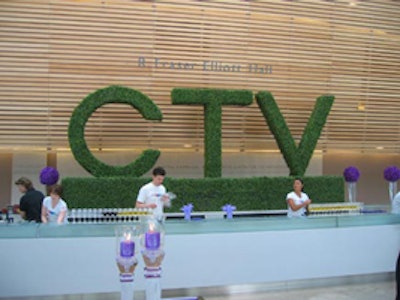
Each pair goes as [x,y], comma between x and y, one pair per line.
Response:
[54,53]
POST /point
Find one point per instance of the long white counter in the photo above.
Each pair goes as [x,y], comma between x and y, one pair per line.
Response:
[76,259]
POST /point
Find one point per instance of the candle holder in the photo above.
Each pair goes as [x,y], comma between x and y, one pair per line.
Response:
[152,241]
[126,260]
[187,211]
[229,209]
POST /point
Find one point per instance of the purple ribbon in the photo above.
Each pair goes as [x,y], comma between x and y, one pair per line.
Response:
[229,209]
[152,272]
[126,277]
[187,210]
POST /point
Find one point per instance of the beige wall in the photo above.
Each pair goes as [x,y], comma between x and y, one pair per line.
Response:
[372,188]
[5,178]
[54,53]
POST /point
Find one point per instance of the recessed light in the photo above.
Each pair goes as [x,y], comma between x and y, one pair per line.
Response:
[361,106]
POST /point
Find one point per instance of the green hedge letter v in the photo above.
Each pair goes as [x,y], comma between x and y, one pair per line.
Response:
[297,158]
[76,131]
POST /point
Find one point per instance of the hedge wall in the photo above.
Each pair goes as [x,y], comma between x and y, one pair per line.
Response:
[212,100]
[297,157]
[206,194]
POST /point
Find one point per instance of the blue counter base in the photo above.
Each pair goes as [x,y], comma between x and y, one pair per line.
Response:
[224,253]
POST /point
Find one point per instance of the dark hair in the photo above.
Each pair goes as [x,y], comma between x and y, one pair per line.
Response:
[299,179]
[24,182]
[302,182]
[159,171]
[56,189]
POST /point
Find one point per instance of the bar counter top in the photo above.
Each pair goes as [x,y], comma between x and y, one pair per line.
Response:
[208,225]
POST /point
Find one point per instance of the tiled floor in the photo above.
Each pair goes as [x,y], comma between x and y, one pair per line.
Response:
[380,290]
[365,291]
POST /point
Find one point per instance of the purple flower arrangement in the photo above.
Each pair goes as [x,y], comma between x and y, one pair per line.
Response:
[49,176]
[392,173]
[351,174]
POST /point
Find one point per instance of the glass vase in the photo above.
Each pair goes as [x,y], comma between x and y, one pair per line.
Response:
[352,191]
[392,191]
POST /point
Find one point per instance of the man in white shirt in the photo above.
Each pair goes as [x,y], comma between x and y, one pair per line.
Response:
[153,194]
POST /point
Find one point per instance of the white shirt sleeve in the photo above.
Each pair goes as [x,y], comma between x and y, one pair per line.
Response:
[289,196]
[142,195]
[45,202]
[63,206]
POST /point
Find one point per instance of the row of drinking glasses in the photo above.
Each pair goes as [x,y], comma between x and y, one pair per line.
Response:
[101,215]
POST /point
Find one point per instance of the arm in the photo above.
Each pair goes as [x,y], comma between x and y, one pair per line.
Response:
[166,200]
[44,214]
[295,207]
[144,205]
[61,217]
[141,199]
[22,208]
[22,214]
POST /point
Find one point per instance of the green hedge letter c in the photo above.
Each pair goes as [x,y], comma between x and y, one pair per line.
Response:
[76,131]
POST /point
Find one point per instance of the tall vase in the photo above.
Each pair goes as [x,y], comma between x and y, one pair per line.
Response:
[392,192]
[392,189]
[352,191]
[152,272]
[127,284]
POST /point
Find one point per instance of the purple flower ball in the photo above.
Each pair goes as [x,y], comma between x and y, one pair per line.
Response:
[392,173]
[351,174]
[49,176]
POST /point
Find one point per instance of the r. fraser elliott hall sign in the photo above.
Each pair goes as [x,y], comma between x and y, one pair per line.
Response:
[206,65]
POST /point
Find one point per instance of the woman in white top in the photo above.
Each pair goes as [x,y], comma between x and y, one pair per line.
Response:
[54,209]
[297,200]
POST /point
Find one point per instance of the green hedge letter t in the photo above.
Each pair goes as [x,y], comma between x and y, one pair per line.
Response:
[212,101]
[76,131]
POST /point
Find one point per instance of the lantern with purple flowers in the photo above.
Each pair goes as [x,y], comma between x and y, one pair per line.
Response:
[392,174]
[152,240]
[351,175]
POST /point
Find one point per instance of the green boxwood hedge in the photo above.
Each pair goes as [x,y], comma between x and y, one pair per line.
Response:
[212,100]
[118,186]
[80,116]
[297,157]
[206,194]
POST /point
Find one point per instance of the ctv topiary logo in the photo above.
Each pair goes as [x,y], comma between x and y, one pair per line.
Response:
[297,157]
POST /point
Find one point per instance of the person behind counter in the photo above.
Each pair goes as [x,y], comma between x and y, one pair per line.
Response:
[30,204]
[54,209]
[297,200]
[153,194]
